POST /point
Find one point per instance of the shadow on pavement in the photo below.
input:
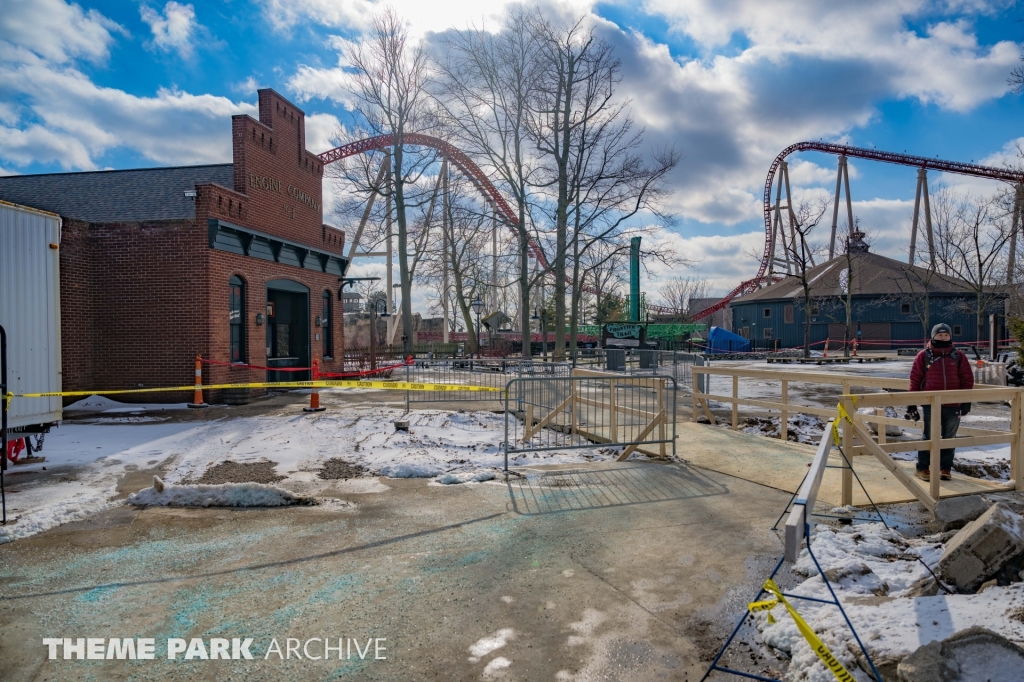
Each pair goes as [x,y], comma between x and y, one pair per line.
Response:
[550,492]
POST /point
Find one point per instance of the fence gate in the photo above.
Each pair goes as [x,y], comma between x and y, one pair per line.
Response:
[590,409]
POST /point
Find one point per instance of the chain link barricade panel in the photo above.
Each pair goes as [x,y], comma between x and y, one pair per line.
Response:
[622,413]
[489,372]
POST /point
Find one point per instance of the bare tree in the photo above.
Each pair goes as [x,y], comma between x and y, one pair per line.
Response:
[973,249]
[801,252]
[570,56]
[592,169]
[389,76]
[680,292]
[484,87]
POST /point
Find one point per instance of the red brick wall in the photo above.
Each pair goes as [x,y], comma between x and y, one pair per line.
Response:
[133,304]
[78,302]
[281,178]
[140,300]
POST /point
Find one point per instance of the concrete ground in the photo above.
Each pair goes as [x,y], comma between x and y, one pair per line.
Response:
[601,572]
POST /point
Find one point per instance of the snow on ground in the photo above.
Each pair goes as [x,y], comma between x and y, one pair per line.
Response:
[103,405]
[223,495]
[85,461]
[872,570]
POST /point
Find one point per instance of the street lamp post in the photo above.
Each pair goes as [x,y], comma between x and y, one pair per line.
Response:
[542,327]
[477,306]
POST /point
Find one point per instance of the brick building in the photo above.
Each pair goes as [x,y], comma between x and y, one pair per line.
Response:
[231,261]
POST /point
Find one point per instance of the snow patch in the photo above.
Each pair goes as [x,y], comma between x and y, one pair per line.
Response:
[99,403]
[223,495]
[873,571]
[486,645]
[466,477]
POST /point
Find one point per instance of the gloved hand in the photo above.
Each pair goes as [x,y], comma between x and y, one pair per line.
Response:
[912,413]
[965,408]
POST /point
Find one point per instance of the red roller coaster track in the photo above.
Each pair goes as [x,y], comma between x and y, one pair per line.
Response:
[490,193]
[752,285]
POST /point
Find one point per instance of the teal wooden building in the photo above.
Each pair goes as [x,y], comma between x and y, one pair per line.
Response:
[893,306]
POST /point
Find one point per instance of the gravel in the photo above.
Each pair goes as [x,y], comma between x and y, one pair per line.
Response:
[236,472]
[336,468]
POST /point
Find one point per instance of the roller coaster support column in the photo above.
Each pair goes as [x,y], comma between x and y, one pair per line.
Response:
[1015,224]
[922,190]
[842,181]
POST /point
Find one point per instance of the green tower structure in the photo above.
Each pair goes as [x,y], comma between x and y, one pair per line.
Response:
[634,279]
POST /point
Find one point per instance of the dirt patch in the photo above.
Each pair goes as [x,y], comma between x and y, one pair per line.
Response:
[996,471]
[238,472]
[335,469]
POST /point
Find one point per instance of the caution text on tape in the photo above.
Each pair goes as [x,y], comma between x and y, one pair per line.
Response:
[386,385]
[826,656]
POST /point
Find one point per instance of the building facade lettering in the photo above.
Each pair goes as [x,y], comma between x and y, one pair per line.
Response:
[273,185]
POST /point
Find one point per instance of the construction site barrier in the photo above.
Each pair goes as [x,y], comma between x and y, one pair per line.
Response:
[328,383]
[336,375]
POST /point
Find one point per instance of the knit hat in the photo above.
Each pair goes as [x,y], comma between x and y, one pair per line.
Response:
[941,328]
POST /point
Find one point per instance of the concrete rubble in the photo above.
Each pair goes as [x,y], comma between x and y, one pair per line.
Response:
[982,547]
[973,654]
[956,512]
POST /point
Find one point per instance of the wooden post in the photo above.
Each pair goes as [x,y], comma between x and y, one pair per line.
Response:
[881,427]
[735,403]
[936,427]
[784,434]
[847,473]
[1017,421]
[575,424]
[696,392]
[614,430]
[529,422]
[661,411]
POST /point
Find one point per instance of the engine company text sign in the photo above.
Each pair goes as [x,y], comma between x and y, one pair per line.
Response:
[623,335]
[272,185]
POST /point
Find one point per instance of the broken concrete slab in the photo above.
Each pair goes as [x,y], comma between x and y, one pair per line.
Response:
[957,512]
[982,547]
[972,654]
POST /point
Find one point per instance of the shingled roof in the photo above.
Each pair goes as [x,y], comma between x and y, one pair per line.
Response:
[116,196]
[873,275]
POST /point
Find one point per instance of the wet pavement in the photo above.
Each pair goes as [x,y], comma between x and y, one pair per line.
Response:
[625,571]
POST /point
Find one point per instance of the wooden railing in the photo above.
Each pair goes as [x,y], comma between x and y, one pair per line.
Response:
[857,439]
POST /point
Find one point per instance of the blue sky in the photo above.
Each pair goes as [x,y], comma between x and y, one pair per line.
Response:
[105,84]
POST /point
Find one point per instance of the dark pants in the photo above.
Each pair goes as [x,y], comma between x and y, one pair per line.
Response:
[950,423]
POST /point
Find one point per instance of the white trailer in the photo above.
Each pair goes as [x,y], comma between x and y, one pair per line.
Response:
[30,314]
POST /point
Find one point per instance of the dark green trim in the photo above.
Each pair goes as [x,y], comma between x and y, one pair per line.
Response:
[223,236]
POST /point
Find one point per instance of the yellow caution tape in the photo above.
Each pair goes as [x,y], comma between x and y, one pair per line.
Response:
[830,661]
[386,385]
[843,414]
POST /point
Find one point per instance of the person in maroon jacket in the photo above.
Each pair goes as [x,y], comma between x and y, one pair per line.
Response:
[940,367]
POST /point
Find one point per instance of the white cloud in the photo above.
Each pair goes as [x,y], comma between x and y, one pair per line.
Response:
[421,17]
[174,30]
[56,30]
[77,120]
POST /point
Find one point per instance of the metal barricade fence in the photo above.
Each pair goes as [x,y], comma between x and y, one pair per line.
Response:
[590,409]
[490,372]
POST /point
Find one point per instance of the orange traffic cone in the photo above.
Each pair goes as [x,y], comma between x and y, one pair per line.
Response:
[824,353]
[197,397]
[314,396]
[855,348]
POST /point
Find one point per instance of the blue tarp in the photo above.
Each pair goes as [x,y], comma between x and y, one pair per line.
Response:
[722,341]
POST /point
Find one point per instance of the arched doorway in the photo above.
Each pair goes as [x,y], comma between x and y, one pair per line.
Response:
[287,329]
